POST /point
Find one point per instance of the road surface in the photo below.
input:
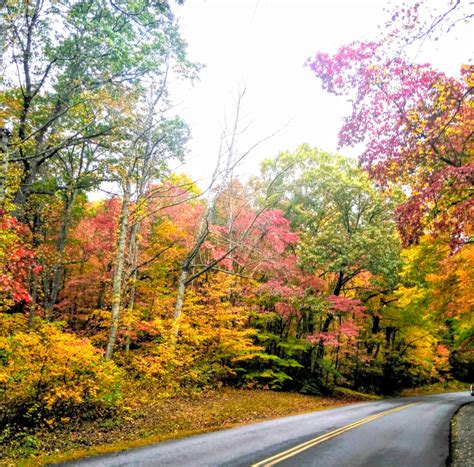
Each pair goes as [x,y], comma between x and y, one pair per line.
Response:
[397,432]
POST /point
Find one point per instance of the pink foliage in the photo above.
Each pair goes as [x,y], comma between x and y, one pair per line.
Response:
[284,309]
[416,124]
[345,332]
[347,306]
[327,338]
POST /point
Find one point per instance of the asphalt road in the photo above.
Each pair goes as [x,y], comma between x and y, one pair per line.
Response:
[397,432]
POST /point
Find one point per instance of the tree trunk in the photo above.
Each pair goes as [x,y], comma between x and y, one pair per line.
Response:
[339,284]
[34,300]
[327,322]
[74,306]
[33,287]
[179,301]
[187,264]
[23,191]
[102,288]
[4,135]
[52,292]
[118,277]
[330,316]
[133,252]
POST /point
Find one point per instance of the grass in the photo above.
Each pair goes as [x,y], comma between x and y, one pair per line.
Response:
[150,418]
[438,388]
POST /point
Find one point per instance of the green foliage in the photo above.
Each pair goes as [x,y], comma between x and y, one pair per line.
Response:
[278,367]
[267,378]
[345,223]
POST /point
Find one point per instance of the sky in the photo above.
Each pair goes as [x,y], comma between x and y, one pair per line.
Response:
[262,46]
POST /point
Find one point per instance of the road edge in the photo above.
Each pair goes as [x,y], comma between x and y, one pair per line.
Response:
[72,456]
[452,425]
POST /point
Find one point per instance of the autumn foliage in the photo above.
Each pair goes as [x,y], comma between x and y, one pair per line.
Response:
[16,263]
[48,374]
[317,274]
[417,125]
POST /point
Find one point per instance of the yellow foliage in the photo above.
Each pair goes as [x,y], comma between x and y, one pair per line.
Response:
[10,324]
[47,371]
[426,357]
[409,295]
[452,284]
[213,335]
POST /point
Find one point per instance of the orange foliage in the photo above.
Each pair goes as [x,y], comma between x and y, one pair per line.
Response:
[47,372]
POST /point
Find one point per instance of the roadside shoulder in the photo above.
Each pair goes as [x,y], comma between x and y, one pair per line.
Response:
[462,440]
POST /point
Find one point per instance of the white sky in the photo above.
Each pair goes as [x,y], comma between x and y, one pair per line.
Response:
[263,46]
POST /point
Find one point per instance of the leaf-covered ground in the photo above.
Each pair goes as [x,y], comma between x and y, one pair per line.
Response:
[150,418]
[448,386]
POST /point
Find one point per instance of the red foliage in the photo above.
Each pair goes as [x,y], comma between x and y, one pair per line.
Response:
[16,260]
[417,126]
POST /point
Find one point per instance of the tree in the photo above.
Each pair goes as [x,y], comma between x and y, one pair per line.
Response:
[412,24]
[434,294]
[417,126]
[16,263]
[345,224]
[347,240]
[149,143]
[228,159]
[87,282]
[78,169]
[65,59]
[78,76]
[4,138]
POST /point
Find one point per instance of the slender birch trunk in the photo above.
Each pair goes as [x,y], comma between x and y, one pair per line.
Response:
[179,303]
[187,266]
[117,279]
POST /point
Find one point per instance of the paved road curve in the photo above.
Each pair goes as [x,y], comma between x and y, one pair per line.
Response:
[398,432]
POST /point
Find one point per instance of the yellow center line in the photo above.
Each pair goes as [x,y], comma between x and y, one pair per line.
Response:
[320,439]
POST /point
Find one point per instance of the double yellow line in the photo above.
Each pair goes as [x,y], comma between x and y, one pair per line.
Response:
[320,439]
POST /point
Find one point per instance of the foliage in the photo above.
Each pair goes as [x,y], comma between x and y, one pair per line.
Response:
[296,280]
[16,264]
[47,374]
[348,254]
[341,216]
[416,123]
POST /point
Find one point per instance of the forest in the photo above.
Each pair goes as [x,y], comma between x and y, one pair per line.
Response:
[319,273]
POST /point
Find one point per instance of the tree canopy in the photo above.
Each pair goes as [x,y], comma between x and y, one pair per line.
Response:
[321,272]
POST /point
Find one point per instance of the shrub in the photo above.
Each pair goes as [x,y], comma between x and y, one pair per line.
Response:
[47,374]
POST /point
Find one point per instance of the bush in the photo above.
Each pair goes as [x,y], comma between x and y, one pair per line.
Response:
[47,374]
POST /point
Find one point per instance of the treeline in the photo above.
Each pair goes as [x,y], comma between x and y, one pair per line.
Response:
[318,273]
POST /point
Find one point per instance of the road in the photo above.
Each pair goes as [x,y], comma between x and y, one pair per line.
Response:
[396,432]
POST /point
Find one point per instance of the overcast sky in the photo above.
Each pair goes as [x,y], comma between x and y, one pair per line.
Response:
[263,46]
